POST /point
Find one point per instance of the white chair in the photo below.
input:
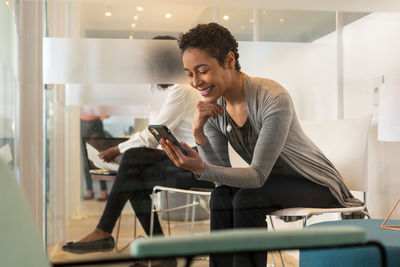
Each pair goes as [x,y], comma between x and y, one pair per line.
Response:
[196,194]
[344,143]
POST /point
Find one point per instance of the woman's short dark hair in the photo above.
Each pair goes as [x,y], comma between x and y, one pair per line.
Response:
[215,39]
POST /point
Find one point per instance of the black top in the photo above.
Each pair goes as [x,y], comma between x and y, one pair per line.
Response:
[243,140]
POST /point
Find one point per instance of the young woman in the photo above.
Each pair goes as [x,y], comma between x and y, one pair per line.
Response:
[256,116]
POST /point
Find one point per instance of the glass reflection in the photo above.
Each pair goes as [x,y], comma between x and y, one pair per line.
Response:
[8,84]
[121,82]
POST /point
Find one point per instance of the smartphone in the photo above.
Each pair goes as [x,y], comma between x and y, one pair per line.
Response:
[162,131]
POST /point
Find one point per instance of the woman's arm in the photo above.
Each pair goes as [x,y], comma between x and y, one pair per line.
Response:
[214,149]
[276,121]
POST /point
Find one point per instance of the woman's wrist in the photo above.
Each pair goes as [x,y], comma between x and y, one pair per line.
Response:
[199,138]
[201,168]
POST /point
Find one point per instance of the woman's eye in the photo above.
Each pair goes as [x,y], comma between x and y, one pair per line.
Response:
[189,74]
[203,71]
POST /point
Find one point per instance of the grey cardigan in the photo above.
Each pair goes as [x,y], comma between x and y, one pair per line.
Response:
[271,113]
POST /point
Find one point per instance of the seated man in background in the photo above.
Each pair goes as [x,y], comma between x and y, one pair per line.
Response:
[144,166]
[92,127]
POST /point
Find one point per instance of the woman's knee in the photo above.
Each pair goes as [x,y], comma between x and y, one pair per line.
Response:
[221,197]
[249,199]
[132,154]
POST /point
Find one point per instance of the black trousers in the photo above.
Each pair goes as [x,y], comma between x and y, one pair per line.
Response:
[140,170]
[247,208]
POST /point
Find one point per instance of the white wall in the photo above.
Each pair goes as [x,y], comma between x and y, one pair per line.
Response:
[371,49]
[306,70]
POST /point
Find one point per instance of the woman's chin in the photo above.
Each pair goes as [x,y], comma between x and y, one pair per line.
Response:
[210,98]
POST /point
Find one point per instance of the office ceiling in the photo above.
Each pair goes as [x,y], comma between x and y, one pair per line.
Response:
[145,19]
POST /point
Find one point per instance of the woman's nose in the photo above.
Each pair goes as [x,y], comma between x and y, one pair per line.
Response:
[196,81]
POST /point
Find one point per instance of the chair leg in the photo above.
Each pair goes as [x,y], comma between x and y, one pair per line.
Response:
[273,259]
[304,221]
[193,213]
[134,227]
[168,218]
[187,212]
[153,196]
[117,234]
[279,251]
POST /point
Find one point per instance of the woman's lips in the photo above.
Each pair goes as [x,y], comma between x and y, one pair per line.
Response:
[206,91]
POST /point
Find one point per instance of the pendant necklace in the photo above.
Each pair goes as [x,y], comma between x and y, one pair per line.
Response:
[229,127]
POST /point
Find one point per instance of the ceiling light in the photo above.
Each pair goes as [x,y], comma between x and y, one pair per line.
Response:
[264,12]
[136,17]
[108,14]
[251,20]
[131,36]
[139,8]
[133,25]
[168,15]
[281,20]
[242,27]
[7,3]
[226,17]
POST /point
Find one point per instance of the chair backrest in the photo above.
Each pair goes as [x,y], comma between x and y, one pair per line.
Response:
[20,243]
[344,143]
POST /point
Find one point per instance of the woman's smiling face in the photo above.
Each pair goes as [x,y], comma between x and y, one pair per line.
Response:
[206,74]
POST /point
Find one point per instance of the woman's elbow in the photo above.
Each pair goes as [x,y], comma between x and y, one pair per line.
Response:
[257,182]
[259,179]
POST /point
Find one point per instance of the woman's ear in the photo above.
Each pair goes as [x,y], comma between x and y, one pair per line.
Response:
[230,60]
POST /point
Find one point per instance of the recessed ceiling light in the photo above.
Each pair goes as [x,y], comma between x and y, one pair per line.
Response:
[133,25]
[7,3]
[251,20]
[139,8]
[131,36]
[281,20]
[136,17]
[168,15]
[226,17]
[108,14]
[242,27]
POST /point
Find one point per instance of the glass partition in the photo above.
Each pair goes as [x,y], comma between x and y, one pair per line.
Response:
[8,84]
[100,71]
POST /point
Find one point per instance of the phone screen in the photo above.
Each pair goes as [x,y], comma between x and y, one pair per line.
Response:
[162,131]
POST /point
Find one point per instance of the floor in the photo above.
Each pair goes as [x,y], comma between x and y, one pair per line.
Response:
[81,226]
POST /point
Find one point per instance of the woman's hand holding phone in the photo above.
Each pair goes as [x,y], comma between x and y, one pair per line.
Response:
[192,161]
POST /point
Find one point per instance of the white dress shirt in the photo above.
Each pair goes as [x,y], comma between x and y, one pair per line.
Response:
[176,113]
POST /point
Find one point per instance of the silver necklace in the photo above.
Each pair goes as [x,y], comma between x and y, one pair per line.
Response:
[228,127]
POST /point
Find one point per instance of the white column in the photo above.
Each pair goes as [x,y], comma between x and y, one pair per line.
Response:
[215,14]
[30,115]
[339,56]
[256,24]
